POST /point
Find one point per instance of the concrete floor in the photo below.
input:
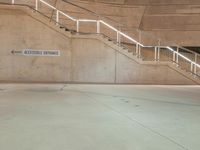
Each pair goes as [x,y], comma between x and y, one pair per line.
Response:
[99,117]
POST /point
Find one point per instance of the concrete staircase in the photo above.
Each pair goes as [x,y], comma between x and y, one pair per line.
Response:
[106,40]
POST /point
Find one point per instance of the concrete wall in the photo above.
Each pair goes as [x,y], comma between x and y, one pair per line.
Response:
[19,31]
[170,20]
[174,21]
[98,62]
[86,60]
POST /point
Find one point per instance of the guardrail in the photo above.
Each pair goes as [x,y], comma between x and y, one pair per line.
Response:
[176,54]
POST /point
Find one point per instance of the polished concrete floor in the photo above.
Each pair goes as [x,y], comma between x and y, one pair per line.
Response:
[99,117]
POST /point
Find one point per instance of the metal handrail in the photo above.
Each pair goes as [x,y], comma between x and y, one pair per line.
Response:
[93,13]
[118,34]
[114,21]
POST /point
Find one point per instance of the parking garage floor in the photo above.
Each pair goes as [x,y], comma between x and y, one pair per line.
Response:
[99,117]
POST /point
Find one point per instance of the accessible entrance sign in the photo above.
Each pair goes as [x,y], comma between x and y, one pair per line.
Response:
[32,52]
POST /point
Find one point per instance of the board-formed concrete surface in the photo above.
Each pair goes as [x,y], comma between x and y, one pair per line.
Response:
[83,58]
[99,117]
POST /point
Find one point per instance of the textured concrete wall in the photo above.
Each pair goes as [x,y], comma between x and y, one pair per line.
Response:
[130,72]
[145,2]
[93,61]
[97,62]
[82,60]
[19,31]
[171,20]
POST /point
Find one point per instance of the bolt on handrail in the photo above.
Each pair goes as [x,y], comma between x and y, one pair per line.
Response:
[118,33]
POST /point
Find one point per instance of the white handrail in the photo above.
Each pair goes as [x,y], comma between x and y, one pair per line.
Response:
[87,20]
[183,56]
[67,16]
[111,27]
[106,24]
[131,39]
[48,4]
[121,33]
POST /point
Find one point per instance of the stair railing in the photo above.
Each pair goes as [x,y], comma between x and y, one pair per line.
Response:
[176,54]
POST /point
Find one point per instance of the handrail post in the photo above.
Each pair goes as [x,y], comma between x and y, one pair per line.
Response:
[155,54]
[36,4]
[98,26]
[177,55]
[195,66]
[13,1]
[158,58]
[57,17]
[77,25]
[174,56]
[137,49]
[158,50]
[191,67]
[118,38]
